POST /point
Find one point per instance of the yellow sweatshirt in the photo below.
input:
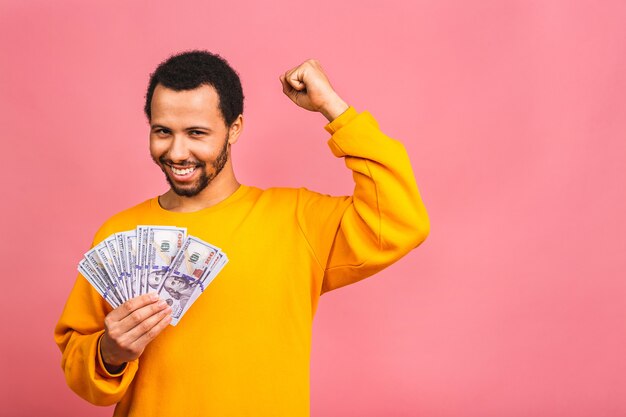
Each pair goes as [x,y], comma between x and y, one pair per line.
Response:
[243,348]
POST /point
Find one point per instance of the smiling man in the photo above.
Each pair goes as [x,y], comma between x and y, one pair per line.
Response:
[185,114]
[243,349]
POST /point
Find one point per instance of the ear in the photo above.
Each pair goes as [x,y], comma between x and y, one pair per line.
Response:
[235,130]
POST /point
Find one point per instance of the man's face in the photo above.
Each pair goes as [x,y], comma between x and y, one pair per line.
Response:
[189,139]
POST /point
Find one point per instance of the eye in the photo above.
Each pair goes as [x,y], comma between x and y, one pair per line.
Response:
[196,132]
[162,131]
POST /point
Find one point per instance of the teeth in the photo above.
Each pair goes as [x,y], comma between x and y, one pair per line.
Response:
[182,171]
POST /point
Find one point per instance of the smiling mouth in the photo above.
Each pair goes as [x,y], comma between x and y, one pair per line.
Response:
[185,171]
[182,174]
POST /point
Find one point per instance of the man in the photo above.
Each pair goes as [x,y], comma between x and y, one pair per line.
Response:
[243,347]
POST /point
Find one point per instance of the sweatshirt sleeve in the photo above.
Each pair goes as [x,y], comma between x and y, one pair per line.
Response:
[78,335]
[384,218]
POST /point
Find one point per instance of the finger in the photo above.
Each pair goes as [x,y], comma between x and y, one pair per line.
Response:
[131,305]
[289,91]
[295,78]
[286,87]
[141,314]
[146,325]
[153,332]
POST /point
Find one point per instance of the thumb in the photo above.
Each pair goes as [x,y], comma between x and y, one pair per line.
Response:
[295,79]
[288,89]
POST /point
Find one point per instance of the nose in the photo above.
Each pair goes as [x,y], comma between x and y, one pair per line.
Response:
[178,151]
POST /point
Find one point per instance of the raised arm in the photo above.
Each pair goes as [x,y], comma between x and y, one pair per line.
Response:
[357,236]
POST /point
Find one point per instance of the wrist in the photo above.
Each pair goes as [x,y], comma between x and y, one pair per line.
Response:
[109,363]
[106,369]
[334,109]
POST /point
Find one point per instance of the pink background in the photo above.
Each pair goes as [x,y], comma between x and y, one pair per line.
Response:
[513,112]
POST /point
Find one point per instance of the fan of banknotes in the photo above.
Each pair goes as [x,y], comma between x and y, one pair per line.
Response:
[160,259]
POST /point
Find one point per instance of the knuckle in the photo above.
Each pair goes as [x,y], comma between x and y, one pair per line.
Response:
[136,316]
[128,306]
[152,333]
[114,335]
[145,327]
[123,344]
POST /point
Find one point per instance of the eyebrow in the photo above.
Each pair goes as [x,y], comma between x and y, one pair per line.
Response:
[198,127]
[155,126]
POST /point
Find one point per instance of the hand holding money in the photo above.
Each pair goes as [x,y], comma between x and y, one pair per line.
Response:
[130,327]
[159,260]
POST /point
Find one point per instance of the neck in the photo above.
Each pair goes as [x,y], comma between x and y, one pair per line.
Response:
[219,189]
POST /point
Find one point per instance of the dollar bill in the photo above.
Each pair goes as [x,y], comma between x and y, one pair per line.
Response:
[120,241]
[142,251]
[220,261]
[87,271]
[131,256]
[98,267]
[164,242]
[116,264]
[106,264]
[189,266]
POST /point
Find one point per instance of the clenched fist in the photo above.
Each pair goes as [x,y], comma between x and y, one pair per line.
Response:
[129,328]
[308,87]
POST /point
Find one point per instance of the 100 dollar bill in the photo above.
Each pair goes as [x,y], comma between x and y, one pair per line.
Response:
[164,242]
[192,263]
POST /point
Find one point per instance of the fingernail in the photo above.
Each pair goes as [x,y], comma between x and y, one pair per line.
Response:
[154,296]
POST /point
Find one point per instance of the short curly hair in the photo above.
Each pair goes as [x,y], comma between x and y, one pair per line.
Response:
[191,69]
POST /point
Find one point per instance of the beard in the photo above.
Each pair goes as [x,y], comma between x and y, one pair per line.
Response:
[204,180]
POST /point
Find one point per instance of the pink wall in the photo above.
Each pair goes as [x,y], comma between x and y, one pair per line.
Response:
[513,112]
